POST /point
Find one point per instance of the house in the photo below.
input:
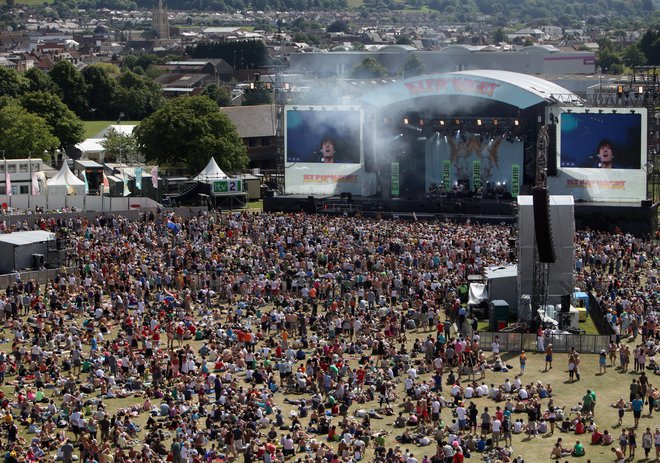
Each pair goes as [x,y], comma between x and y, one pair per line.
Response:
[256,125]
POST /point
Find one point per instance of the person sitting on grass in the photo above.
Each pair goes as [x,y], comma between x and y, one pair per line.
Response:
[578,449]
[607,438]
[558,452]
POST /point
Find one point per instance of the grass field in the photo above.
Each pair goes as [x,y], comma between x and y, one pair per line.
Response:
[94,127]
[608,387]
[256,205]
[33,2]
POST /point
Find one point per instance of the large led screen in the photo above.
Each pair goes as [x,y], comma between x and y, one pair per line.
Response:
[601,140]
[601,154]
[323,135]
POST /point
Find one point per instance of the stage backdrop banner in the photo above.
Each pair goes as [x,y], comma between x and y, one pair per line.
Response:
[484,163]
[601,155]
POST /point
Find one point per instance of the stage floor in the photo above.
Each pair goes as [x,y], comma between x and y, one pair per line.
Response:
[626,217]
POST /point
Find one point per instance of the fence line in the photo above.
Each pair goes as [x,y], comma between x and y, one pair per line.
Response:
[515,342]
[40,276]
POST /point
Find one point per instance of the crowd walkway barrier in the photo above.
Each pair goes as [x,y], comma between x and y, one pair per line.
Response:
[515,342]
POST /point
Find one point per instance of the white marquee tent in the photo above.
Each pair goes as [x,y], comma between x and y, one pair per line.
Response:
[211,172]
[65,183]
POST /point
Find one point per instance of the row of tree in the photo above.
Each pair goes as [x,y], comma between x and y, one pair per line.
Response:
[41,112]
[99,91]
[537,11]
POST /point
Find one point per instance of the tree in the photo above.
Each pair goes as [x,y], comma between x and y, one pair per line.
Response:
[633,56]
[101,92]
[242,54]
[11,82]
[404,40]
[191,130]
[413,67]
[39,81]
[218,94]
[650,46]
[71,85]
[257,95]
[499,35]
[608,59]
[23,134]
[64,123]
[137,96]
[119,146]
[368,69]
[340,25]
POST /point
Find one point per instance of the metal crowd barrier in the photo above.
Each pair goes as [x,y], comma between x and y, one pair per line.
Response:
[515,342]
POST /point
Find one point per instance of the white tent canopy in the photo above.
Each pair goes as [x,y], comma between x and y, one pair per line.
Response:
[211,172]
[65,183]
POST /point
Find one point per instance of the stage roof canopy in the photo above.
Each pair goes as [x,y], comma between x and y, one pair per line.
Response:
[512,88]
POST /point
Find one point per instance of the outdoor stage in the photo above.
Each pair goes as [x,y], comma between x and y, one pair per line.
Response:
[629,218]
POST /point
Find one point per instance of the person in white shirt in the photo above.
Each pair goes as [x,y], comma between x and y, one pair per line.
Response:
[482,390]
[517,427]
[469,392]
[516,383]
[409,383]
[497,428]
[522,393]
[507,385]
[461,413]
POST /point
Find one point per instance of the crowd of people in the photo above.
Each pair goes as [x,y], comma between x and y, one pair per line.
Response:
[206,328]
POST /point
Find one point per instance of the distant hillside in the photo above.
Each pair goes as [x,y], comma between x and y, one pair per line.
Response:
[230,5]
[556,12]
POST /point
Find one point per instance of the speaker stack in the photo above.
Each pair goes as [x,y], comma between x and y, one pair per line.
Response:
[543,225]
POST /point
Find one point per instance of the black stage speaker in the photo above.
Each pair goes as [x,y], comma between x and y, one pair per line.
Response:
[542,225]
[647,203]
[310,205]
[566,303]
[552,150]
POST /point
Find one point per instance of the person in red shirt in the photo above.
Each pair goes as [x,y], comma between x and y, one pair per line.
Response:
[360,375]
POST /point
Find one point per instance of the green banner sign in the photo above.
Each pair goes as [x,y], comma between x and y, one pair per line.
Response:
[515,180]
[446,175]
[395,178]
[227,186]
[476,175]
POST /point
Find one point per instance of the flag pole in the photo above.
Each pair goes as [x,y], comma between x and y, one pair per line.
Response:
[30,170]
[7,186]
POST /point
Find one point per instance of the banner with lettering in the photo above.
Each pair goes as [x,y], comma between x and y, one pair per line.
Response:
[395,178]
[446,175]
[476,175]
[318,179]
[515,180]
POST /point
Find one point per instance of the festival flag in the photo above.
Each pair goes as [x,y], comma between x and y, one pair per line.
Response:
[106,182]
[69,189]
[35,184]
[84,177]
[127,191]
[7,181]
[138,178]
[154,177]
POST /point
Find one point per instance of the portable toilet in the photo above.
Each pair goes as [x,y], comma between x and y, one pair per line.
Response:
[499,314]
